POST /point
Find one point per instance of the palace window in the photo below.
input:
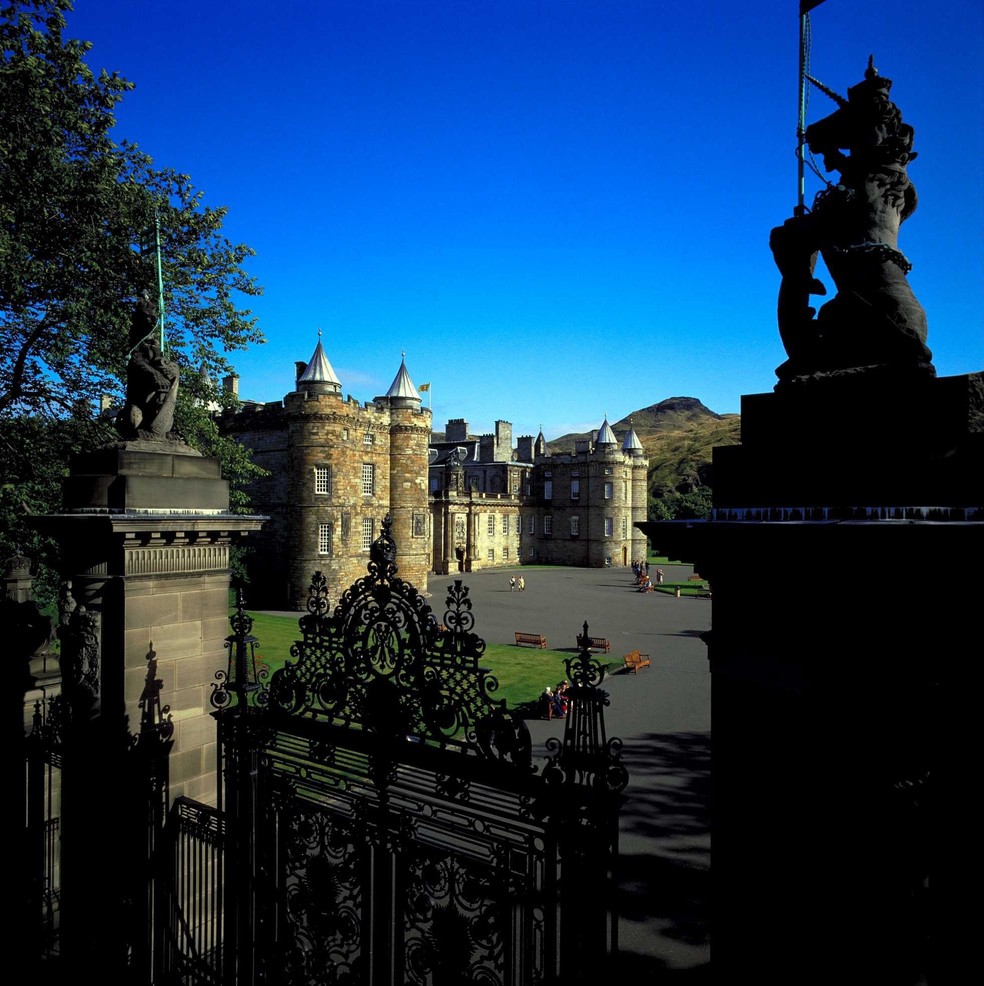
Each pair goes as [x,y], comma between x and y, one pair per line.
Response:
[322,479]
[367,530]
[625,527]
[491,554]
[532,524]
[368,438]
[548,524]
[505,551]
[491,524]
[575,489]
[609,526]
[368,478]
[609,470]
[519,524]
[548,489]
[609,490]
[575,526]
[324,539]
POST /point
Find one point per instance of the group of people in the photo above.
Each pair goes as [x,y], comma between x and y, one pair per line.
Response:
[643,582]
[519,584]
[554,701]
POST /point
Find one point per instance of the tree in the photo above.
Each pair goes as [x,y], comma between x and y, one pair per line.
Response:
[78,218]
[78,213]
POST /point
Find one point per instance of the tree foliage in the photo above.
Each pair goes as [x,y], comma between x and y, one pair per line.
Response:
[78,218]
[78,213]
[695,504]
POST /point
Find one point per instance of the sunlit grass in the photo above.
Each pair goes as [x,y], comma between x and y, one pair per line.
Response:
[522,672]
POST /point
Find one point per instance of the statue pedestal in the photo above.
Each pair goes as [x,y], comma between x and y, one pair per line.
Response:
[845,558]
[145,534]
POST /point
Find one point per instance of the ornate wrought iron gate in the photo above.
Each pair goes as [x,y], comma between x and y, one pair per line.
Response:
[385,821]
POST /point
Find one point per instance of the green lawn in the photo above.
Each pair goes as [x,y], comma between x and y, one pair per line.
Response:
[522,672]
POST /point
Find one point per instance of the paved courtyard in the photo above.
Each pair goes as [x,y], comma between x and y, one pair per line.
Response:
[662,715]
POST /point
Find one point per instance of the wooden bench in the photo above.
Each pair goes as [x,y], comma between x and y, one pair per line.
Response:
[593,643]
[533,639]
[634,660]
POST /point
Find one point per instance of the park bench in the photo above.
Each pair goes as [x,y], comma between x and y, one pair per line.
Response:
[634,660]
[533,639]
[593,643]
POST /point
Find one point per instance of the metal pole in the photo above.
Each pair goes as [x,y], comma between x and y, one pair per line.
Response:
[160,277]
[801,117]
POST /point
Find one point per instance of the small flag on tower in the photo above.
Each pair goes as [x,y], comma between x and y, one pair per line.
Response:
[807,5]
[424,387]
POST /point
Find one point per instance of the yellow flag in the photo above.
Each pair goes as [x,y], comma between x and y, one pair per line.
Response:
[424,387]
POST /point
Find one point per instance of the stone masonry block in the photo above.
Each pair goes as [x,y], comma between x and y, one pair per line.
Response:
[176,641]
[194,732]
[154,610]
[188,702]
[186,765]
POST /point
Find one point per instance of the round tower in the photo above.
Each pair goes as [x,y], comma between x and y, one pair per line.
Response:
[409,503]
[601,517]
[639,492]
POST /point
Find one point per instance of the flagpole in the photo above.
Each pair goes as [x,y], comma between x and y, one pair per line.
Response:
[805,6]
[801,115]
[160,277]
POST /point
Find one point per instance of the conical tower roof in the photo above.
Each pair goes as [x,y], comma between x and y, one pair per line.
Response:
[318,376]
[402,388]
[631,443]
[605,434]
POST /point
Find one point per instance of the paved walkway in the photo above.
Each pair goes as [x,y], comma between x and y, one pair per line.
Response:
[663,716]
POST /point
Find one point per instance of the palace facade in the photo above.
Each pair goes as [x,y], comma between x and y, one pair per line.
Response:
[458,502]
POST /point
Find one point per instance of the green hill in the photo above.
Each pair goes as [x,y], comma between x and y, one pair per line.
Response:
[678,435]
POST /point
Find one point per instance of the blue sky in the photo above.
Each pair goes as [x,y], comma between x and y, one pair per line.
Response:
[558,208]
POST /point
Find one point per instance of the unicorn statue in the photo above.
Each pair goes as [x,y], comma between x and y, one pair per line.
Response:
[874,324]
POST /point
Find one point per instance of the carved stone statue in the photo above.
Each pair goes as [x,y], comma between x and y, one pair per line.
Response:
[151,380]
[875,322]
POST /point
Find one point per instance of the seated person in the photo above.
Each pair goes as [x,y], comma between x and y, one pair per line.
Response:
[560,700]
[545,704]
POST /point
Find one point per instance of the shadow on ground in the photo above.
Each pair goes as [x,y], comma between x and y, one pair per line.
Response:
[664,866]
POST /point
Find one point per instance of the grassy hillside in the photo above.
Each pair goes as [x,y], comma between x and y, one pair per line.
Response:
[678,435]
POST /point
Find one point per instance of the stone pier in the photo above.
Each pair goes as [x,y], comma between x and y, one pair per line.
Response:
[145,534]
[844,553]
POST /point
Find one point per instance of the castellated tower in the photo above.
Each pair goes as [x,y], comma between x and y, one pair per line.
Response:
[337,469]
[409,438]
[638,492]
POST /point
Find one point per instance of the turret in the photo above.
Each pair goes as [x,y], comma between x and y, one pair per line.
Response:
[318,377]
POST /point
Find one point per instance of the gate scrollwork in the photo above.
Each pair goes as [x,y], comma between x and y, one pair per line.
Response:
[382,661]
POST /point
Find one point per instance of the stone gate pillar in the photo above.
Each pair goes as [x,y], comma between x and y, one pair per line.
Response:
[145,535]
[844,551]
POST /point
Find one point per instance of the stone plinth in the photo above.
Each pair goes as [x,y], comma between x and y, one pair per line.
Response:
[844,556]
[145,535]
